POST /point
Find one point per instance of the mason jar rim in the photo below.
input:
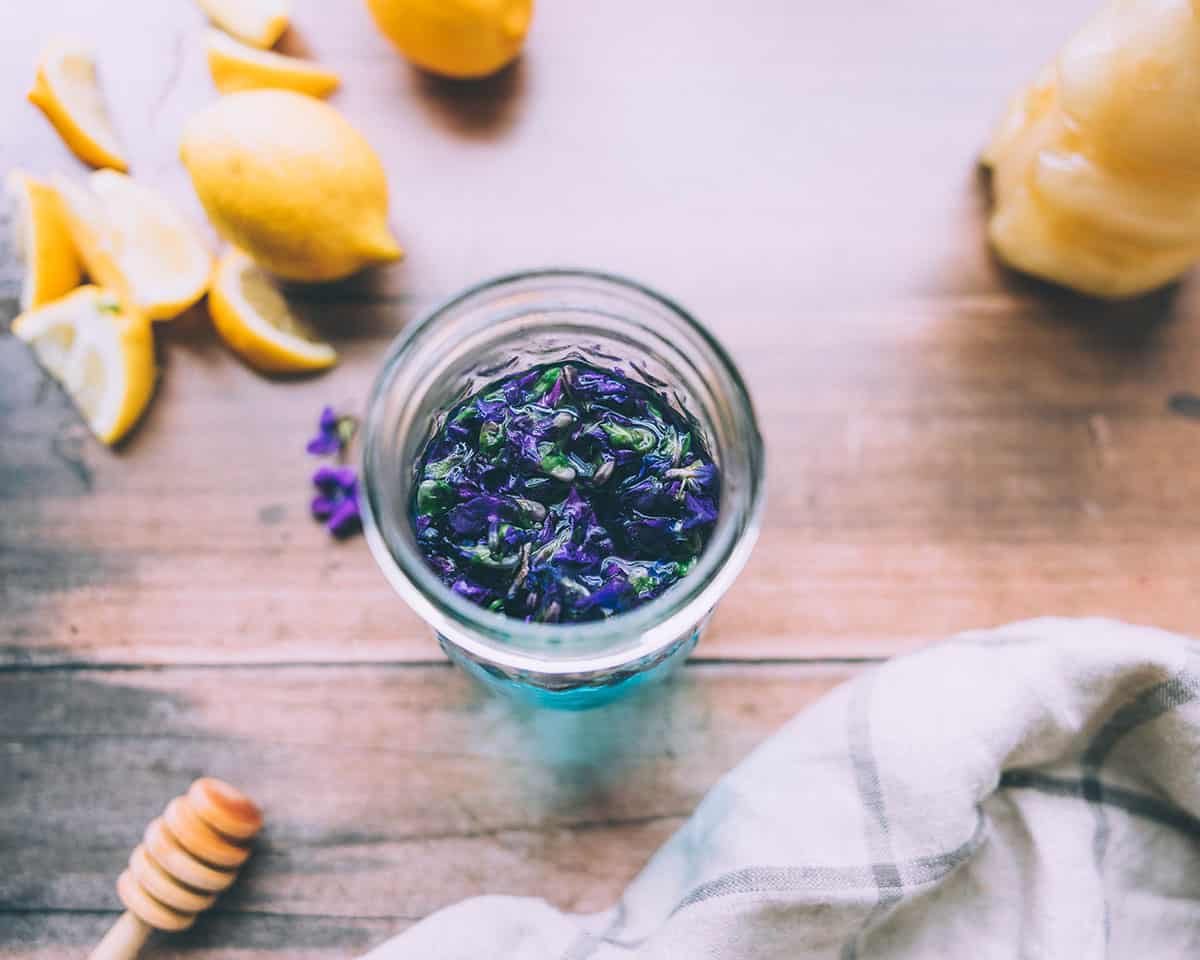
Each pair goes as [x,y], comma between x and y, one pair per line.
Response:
[511,643]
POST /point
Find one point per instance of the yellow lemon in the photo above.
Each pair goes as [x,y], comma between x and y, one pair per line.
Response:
[252,317]
[256,22]
[101,353]
[456,38]
[134,242]
[288,180]
[235,66]
[42,241]
[67,91]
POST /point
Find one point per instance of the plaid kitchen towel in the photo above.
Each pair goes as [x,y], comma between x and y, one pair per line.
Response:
[1032,791]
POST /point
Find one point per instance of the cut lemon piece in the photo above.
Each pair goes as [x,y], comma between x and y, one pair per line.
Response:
[67,91]
[256,22]
[252,317]
[134,242]
[102,354]
[42,241]
[235,66]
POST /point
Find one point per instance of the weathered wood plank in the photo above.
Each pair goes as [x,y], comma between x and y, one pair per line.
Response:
[936,428]
[389,792]
[1040,483]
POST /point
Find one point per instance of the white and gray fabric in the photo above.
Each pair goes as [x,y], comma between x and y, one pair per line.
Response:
[1032,791]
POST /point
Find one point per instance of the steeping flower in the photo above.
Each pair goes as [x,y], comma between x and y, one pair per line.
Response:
[564,492]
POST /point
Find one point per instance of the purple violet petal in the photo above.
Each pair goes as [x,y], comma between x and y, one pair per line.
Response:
[472,591]
[344,520]
[554,394]
[340,478]
[322,507]
[701,511]
[327,441]
[598,385]
[324,445]
[476,514]
[612,595]
[442,565]
[490,409]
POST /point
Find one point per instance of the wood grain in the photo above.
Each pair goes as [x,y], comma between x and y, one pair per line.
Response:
[389,792]
[803,180]
[950,446]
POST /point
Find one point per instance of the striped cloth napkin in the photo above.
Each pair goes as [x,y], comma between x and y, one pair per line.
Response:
[1032,791]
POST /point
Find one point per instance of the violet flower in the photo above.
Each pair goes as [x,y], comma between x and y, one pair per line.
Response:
[334,433]
[337,500]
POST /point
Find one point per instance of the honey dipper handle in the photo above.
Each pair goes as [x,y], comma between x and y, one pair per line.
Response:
[123,941]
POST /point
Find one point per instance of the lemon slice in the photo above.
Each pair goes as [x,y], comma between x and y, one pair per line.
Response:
[235,66]
[102,354]
[42,241]
[67,91]
[134,242]
[252,317]
[256,22]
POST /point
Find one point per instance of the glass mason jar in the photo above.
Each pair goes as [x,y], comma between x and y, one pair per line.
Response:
[509,324]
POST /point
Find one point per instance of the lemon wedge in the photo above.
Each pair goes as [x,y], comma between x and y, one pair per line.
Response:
[256,22]
[67,91]
[235,66]
[102,354]
[42,241]
[252,317]
[289,181]
[134,242]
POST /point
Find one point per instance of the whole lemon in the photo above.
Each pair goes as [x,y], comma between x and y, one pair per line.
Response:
[456,38]
[289,181]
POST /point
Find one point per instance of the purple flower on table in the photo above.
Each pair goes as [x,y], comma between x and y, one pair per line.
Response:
[336,502]
[334,433]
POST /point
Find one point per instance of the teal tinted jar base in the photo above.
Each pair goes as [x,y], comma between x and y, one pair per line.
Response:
[557,692]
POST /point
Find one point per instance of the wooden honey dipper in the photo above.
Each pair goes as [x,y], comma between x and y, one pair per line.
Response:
[187,856]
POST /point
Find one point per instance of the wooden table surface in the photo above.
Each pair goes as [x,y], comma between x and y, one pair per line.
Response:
[950,446]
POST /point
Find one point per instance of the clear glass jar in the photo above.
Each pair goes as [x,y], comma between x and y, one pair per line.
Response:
[509,324]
